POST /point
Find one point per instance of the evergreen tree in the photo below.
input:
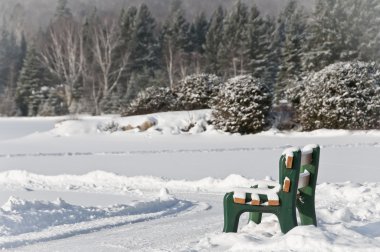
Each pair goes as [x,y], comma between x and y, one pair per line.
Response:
[32,79]
[89,65]
[292,33]
[4,57]
[271,54]
[175,43]
[127,30]
[258,44]
[12,54]
[331,35]
[144,49]
[200,30]
[213,41]
[195,50]
[368,23]
[232,51]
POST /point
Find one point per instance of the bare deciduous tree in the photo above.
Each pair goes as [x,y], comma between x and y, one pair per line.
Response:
[63,56]
[111,66]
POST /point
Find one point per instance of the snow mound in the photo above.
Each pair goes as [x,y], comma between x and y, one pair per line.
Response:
[167,123]
[23,221]
[100,181]
[348,220]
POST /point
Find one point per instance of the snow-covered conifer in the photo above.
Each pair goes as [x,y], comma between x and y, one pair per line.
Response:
[242,105]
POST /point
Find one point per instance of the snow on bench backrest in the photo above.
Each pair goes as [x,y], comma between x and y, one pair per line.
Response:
[289,156]
[306,158]
[304,179]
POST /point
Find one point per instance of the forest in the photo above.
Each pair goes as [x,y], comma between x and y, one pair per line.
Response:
[97,60]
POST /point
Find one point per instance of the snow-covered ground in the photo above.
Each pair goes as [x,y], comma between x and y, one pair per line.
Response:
[75,184]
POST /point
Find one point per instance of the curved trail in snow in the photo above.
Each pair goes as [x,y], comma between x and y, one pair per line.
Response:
[176,151]
[178,232]
[66,231]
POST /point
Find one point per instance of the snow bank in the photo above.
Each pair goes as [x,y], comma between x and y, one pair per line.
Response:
[23,221]
[348,220]
[110,182]
[172,123]
[175,123]
[165,123]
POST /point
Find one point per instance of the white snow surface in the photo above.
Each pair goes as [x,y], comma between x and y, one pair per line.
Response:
[69,185]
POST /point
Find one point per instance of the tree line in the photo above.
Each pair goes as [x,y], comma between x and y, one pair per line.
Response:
[99,62]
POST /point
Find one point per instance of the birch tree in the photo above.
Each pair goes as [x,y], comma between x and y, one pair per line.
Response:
[63,57]
[106,42]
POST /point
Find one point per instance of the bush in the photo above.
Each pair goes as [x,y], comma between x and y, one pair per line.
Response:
[341,96]
[196,91]
[151,100]
[242,105]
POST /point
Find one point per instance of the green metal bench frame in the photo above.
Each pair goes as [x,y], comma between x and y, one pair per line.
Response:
[289,201]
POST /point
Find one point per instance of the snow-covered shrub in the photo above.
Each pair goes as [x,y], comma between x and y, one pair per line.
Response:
[242,105]
[341,96]
[195,91]
[151,100]
[108,127]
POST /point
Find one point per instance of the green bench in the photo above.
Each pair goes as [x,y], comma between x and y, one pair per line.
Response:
[295,190]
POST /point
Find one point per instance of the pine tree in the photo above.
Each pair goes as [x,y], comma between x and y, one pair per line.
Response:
[127,24]
[144,49]
[200,30]
[4,57]
[89,65]
[213,40]
[333,35]
[12,54]
[195,50]
[175,42]
[258,44]
[32,79]
[127,28]
[368,23]
[231,53]
[292,33]
[271,54]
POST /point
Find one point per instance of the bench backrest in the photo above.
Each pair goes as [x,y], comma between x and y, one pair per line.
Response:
[310,164]
[298,171]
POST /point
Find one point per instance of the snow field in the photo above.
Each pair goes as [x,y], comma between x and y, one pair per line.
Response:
[90,157]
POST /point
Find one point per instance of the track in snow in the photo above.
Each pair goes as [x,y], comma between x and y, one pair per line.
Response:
[81,228]
[178,151]
[178,232]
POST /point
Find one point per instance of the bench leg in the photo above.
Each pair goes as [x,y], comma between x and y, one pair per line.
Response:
[231,214]
[255,217]
[306,210]
[287,219]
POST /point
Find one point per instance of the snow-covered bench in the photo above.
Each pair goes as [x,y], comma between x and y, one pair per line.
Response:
[295,189]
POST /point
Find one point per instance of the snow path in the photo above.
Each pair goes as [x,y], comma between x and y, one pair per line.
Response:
[27,222]
[179,232]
